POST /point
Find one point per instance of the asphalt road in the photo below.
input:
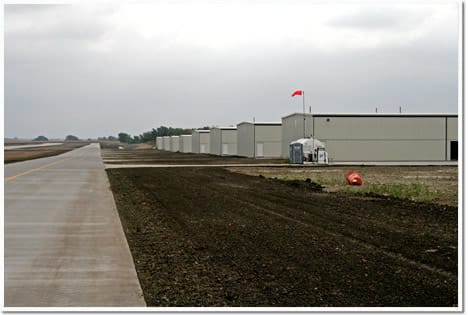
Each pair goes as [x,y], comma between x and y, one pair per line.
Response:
[64,243]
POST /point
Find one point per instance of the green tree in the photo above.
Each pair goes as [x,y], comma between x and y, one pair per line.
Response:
[125,137]
[150,136]
[147,136]
[41,138]
[71,138]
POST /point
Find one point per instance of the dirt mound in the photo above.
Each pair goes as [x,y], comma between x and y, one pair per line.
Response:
[304,185]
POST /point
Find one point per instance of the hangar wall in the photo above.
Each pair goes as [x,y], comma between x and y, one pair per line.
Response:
[201,141]
[185,143]
[376,137]
[261,140]
[223,141]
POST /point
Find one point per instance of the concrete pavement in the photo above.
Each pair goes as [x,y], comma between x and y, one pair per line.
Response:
[64,243]
[306,165]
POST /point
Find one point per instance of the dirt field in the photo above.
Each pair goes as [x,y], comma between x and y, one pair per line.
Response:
[212,237]
[144,154]
[11,156]
[435,184]
[9,143]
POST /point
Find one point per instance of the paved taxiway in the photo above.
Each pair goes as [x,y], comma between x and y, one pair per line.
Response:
[64,243]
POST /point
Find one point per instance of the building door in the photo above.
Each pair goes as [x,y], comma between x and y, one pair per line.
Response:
[259,150]
[454,150]
[202,148]
[225,149]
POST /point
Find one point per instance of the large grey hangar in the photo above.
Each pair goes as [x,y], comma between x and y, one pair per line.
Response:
[376,137]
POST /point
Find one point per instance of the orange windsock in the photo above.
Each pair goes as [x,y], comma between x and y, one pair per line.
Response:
[354,178]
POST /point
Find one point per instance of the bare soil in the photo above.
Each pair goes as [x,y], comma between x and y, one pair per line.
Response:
[12,156]
[145,154]
[9,143]
[211,237]
[434,184]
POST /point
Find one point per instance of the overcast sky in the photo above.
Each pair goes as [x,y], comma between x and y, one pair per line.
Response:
[96,70]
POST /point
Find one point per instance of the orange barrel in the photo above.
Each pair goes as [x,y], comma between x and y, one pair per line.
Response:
[354,178]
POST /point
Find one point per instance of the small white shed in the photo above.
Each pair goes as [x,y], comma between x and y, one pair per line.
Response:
[167,143]
[223,141]
[259,139]
[185,143]
[174,143]
[201,141]
[159,143]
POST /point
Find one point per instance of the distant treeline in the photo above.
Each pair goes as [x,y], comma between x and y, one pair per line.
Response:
[67,138]
[151,135]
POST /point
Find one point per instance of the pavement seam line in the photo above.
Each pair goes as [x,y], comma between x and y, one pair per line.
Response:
[35,169]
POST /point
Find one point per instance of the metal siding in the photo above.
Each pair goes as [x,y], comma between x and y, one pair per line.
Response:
[376,138]
[245,142]
[231,148]
[452,133]
[380,128]
[223,136]
[452,128]
[159,143]
[205,139]
[229,138]
[185,143]
[174,143]
[215,140]
[292,129]
[166,143]
[195,142]
[385,150]
[270,136]
[382,138]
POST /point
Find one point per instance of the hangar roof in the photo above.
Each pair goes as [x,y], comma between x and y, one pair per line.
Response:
[261,123]
[375,115]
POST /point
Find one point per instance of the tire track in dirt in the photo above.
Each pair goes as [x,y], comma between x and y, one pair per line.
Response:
[390,254]
[349,237]
[300,207]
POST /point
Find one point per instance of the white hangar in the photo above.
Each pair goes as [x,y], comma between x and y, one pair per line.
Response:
[259,139]
[200,141]
[223,141]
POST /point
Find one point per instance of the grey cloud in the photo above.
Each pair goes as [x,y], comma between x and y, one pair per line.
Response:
[420,81]
[20,9]
[376,19]
[52,22]
[55,86]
